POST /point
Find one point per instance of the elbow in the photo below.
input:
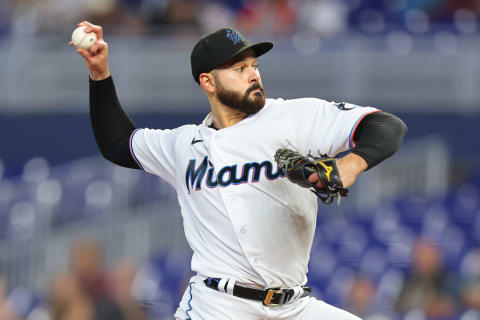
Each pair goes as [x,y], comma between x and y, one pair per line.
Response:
[120,156]
[381,143]
[107,155]
[117,152]
[399,129]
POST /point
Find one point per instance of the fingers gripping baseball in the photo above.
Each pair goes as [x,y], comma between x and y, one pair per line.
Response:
[92,28]
[96,57]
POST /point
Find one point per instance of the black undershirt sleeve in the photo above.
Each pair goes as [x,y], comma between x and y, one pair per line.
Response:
[378,136]
[111,125]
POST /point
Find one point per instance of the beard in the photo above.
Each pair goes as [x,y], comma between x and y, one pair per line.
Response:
[243,103]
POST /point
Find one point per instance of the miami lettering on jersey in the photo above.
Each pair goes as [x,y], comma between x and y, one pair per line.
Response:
[228,175]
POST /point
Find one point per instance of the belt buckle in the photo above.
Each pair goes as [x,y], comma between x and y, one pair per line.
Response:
[268,295]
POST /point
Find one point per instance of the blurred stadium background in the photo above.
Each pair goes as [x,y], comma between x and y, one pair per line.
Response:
[83,239]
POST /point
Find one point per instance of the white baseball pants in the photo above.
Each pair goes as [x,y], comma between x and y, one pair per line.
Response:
[202,303]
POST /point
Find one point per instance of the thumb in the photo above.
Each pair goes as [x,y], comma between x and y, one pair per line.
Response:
[313,178]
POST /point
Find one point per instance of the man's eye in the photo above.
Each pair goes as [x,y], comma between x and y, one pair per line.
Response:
[255,67]
[239,69]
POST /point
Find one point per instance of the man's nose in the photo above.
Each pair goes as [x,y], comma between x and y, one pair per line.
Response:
[253,76]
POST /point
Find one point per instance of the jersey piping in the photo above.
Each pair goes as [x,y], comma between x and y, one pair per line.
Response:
[351,143]
[131,149]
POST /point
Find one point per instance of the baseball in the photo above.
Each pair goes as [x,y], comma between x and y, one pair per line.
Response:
[83,40]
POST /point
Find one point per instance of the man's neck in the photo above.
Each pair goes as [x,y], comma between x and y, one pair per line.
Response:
[224,116]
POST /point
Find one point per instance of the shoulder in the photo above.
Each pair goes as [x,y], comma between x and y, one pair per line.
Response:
[295,104]
[165,135]
[175,131]
[187,131]
[309,103]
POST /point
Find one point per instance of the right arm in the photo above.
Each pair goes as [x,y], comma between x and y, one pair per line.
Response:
[111,125]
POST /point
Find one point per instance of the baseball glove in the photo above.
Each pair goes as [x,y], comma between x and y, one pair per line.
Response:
[298,168]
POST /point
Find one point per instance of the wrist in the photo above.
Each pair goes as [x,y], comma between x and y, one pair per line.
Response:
[356,163]
[98,76]
[350,167]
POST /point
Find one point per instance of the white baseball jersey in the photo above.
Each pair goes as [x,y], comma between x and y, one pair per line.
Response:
[242,218]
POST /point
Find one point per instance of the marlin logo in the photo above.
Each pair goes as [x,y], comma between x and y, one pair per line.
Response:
[345,106]
[235,36]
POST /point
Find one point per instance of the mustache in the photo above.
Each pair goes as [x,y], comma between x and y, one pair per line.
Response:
[254,87]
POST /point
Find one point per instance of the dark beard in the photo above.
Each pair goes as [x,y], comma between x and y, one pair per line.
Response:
[241,103]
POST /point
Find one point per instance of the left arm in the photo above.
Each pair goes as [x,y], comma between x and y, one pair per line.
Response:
[377,137]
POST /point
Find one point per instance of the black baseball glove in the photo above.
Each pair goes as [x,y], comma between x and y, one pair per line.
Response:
[298,168]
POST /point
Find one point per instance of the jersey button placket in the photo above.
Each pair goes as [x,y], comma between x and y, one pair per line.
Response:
[214,147]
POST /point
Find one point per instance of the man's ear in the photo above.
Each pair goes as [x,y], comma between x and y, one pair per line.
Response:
[207,82]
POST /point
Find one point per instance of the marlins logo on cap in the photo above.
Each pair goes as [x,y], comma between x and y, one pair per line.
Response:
[235,36]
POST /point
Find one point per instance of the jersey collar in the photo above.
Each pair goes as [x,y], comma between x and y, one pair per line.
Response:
[208,121]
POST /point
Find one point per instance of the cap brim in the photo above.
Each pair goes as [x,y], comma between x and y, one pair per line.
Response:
[258,48]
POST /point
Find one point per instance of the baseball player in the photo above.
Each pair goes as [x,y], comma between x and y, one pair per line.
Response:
[248,218]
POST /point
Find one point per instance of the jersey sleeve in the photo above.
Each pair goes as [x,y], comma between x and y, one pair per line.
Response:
[154,151]
[327,127]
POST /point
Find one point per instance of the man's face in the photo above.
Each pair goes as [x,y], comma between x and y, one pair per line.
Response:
[238,84]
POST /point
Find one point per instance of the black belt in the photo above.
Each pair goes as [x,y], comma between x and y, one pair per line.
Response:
[269,297]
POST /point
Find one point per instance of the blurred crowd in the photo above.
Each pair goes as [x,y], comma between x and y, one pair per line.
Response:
[88,290]
[429,290]
[257,17]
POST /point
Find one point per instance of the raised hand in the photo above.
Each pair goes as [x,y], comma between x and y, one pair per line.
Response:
[96,58]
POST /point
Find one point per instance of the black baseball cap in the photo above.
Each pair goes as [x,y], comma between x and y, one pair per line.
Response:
[216,48]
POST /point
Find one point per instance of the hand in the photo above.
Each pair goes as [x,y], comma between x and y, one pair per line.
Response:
[96,58]
[349,167]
